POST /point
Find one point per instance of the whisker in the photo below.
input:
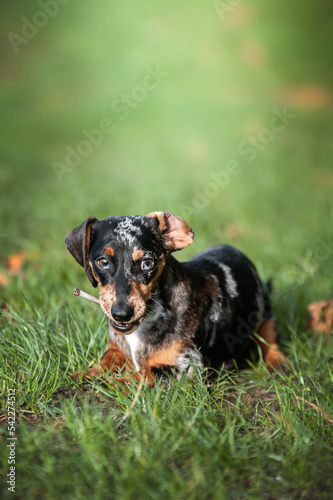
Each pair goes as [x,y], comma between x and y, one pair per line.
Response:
[152,298]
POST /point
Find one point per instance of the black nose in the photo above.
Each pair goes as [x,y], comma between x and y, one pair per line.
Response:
[122,313]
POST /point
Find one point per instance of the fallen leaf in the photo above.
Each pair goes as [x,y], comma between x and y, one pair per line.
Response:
[3,279]
[253,54]
[239,16]
[307,96]
[5,312]
[233,231]
[321,317]
[15,262]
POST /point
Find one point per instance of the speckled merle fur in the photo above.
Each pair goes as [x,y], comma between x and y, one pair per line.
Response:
[173,315]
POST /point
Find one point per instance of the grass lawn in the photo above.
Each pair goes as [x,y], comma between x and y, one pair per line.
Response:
[222,114]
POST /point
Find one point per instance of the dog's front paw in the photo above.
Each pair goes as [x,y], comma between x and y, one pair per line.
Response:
[94,372]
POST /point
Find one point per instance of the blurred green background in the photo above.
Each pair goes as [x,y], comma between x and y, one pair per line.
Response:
[67,66]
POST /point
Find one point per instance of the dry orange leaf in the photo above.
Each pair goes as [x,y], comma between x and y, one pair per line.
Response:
[321,316]
[253,54]
[307,96]
[3,279]
[15,262]
[239,16]
[233,231]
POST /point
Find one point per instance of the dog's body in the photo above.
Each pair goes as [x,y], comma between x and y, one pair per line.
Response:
[166,316]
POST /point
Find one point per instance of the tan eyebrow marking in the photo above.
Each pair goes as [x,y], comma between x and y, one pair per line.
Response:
[137,254]
[109,251]
[92,271]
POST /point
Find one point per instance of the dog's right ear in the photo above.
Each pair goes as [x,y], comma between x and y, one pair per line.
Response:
[78,244]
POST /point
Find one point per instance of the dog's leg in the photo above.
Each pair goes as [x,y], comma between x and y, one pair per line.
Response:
[123,384]
[148,376]
[114,360]
[144,376]
[273,356]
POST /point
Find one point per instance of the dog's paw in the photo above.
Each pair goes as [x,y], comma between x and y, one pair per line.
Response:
[94,372]
[274,359]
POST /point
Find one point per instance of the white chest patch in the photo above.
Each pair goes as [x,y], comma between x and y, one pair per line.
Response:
[133,342]
[136,341]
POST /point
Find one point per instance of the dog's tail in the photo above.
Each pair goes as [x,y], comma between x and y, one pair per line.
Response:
[268,286]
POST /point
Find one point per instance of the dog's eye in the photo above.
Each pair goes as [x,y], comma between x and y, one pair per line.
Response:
[103,263]
[147,264]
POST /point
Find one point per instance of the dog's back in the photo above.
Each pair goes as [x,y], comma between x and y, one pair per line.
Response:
[240,304]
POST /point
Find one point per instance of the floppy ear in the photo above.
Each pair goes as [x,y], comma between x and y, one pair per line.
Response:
[176,233]
[78,244]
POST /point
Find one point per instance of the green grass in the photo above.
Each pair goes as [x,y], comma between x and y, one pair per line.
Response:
[243,435]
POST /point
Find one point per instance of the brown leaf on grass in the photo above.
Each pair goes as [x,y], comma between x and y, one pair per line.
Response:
[3,279]
[233,231]
[5,312]
[307,96]
[253,54]
[238,16]
[321,317]
[15,262]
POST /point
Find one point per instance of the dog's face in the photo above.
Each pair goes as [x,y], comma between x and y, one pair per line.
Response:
[125,256]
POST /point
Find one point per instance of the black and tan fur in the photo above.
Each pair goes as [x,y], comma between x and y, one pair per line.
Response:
[166,316]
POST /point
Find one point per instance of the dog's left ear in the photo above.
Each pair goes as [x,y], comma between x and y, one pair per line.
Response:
[78,244]
[176,233]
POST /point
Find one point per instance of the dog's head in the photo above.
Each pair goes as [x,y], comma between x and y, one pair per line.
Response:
[125,256]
